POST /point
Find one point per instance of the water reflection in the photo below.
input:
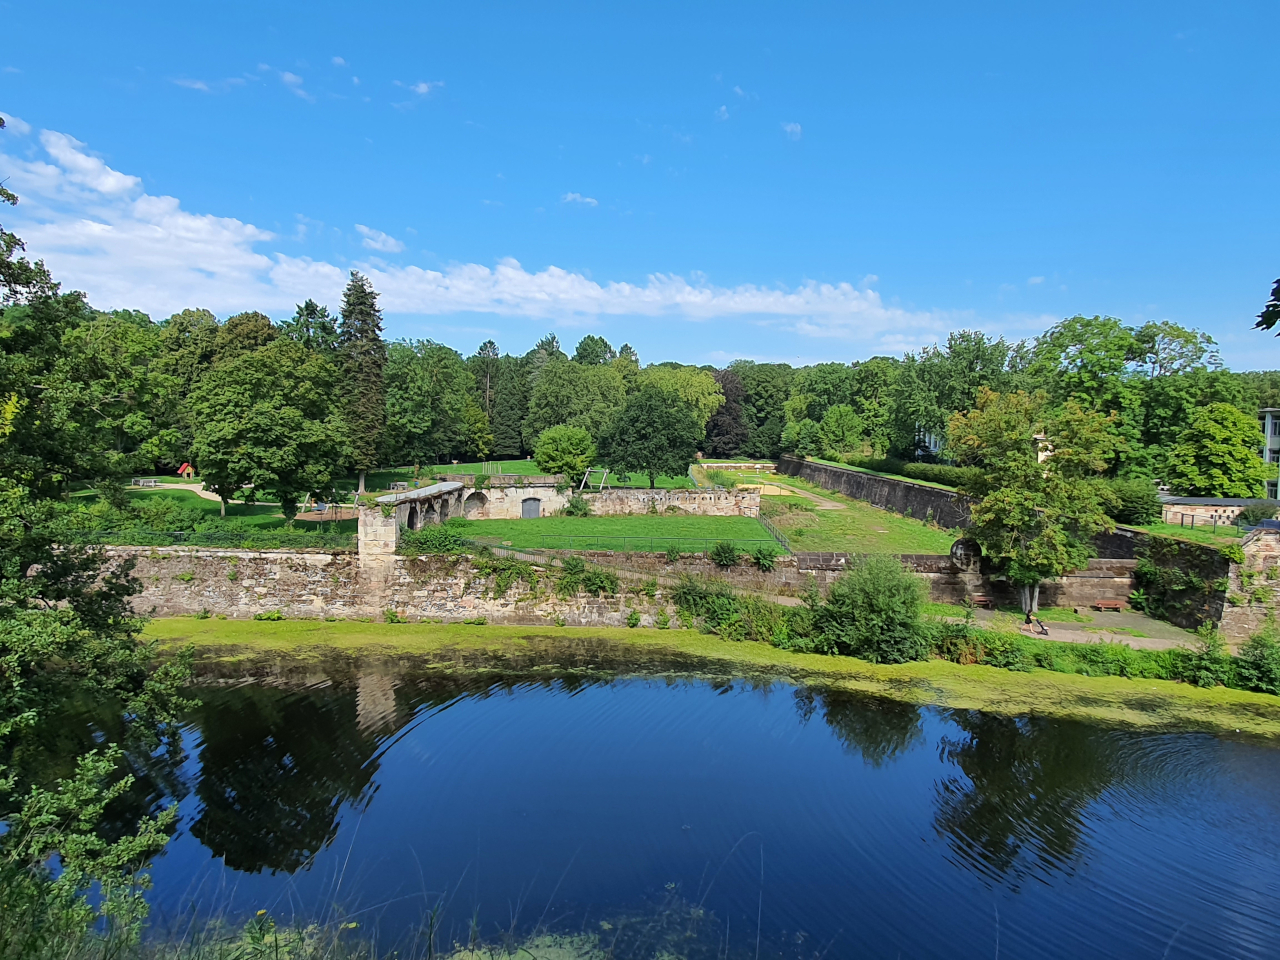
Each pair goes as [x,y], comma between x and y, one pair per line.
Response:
[1027,782]
[875,728]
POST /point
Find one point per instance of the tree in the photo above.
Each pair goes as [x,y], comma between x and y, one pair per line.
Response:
[828,384]
[364,355]
[1038,497]
[871,387]
[566,392]
[510,404]
[565,450]
[484,364]
[1270,314]
[432,415]
[767,387]
[655,434]
[1217,455]
[697,388]
[727,429]
[873,612]
[842,430]
[268,420]
[243,333]
[592,350]
[312,327]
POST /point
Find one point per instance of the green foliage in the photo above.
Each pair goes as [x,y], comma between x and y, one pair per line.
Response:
[656,433]
[431,412]
[578,506]
[273,615]
[765,558]
[673,554]
[633,619]
[1232,553]
[1257,666]
[662,621]
[1209,664]
[576,577]
[1136,500]
[689,386]
[565,450]
[941,473]
[724,554]
[570,394]
[446,538]
[727,430]
[506,572]
[363,356]
[1216,455]
[842,430]
[1254,514]
[873,612]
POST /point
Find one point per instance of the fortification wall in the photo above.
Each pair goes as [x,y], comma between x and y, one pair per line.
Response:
[1252,586]
[709,503]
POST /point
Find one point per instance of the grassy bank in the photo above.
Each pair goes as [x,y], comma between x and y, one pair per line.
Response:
[642,532]
[1153,704]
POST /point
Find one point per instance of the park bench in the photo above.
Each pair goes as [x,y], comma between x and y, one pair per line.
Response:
[144,482]
[1116,605]
[982,600]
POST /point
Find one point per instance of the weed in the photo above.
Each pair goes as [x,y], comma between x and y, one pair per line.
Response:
[186,576]
[633,618]
[273,615]
[724,554]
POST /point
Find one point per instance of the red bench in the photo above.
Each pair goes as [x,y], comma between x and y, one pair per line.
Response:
[1116,605]
[981,600]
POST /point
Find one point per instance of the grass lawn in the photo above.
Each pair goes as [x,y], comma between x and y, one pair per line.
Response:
[262,516]
[644,532]
[1206,535]
[880,473]
[227,646]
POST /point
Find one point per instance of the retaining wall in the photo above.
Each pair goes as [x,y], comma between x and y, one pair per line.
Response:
[1252,586]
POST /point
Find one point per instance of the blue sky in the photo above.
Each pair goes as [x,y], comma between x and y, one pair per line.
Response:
[799,182]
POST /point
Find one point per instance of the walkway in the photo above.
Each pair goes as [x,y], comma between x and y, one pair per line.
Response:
[822,502]
[1129,627]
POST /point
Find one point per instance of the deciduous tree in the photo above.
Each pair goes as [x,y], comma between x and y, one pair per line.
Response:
[654,434]
[1218,455]
[565,450]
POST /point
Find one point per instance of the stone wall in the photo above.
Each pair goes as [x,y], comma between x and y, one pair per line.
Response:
[1252,586]
[709,503]
[946,507]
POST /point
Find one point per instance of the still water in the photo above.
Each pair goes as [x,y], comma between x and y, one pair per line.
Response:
[793,823]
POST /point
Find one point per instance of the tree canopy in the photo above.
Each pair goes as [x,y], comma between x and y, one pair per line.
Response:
[655,434]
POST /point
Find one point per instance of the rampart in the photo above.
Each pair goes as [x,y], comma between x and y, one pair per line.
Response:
[945,507]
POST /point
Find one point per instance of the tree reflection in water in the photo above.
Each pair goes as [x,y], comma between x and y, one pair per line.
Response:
[1027,782]
[876,728]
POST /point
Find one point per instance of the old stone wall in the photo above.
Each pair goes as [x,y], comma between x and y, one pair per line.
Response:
[709,503]
[946,507]
[1252,586]
[237,584]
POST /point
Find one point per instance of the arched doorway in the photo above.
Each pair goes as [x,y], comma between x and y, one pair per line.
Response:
[414,520]
[530,508]
[474,504]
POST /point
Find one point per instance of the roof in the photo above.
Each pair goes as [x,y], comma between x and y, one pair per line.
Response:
[422,493]
[1218,501]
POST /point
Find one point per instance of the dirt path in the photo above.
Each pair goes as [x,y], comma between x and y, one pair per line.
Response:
[822,502]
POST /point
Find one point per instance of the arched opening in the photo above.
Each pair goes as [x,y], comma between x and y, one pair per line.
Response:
[444,509]
[474,504]
[414,521]
[530,508]
[427,513]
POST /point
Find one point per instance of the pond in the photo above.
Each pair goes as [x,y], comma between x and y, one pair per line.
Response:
[715,818]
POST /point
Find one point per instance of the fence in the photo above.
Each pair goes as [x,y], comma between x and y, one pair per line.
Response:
[234,539]
[643,544]
[775,533]
[1188,520]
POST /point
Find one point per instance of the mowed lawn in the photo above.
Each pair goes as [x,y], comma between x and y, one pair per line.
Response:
[858,528]
[690,534]
[262,515]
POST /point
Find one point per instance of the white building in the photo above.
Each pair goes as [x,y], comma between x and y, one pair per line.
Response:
[1269,420]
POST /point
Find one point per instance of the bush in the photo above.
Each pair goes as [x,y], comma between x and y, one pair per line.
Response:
[1258,663]
[948,476]
[765,557]
[722,478]
[1208,664]
[1135,501]
[633,619]
[437,538]
[724,554]
[873,612]
[269,615]
[673,554]
[565,450]
[1253,515]
[576,578]
[578,506]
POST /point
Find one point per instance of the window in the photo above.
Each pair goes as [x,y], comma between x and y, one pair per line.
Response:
[1271,489]
[1275,426]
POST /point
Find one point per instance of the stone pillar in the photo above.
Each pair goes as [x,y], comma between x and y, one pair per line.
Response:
[378,534]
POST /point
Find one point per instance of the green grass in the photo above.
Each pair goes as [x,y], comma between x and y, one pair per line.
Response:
[643,532]
[1198,534]
[378,480]
[259,515]
[858,528]
[242,645]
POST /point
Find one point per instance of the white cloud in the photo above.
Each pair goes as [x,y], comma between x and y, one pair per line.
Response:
[377,240]
[15,125]
[424,87]
[739,91]
[1035,280]
[193,84]
[338,62]
[579,198]
[355,81]
[294,83]
[722,113]
[11,70]
[125,248]
[792,130]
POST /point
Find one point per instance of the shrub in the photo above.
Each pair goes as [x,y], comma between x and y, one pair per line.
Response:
[724,554]
[873,612]
[1134,501]
[764,557]
[565,450]
[437,538]
[673,554]
[269,615]
[662,621]
[633,619]
[942,473]
[390,616]
[722,478]
[1253,515]
[1208,664]
[578,506]
[1258,663]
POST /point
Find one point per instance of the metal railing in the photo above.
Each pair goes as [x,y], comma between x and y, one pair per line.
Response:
[1211,522]
[775,533]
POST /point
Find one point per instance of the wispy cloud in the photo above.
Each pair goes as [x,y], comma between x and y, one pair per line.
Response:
[338,62]
[792,130]
[15,125]
[579,198]
[377,240]
[1034,280]
[192,84]
[294,83]
[424,87]
[101,233]
[722,113]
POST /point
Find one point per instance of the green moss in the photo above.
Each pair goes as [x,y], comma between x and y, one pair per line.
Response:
[1139,703]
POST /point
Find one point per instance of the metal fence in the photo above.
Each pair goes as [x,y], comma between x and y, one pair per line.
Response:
[775,533]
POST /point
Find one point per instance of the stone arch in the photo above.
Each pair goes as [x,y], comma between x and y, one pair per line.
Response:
[530,508]
[427,514]
[475,503]
[444,509]
[414,520]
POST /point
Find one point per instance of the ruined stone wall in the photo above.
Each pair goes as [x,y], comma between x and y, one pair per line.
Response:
[1252,586]
[708,503]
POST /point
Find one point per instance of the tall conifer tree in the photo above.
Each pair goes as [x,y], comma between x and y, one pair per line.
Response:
[364,354]
[510,404]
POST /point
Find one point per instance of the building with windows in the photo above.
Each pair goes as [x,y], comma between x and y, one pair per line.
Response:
[1269,419]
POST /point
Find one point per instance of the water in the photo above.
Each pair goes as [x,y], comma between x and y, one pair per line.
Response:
[800,824]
